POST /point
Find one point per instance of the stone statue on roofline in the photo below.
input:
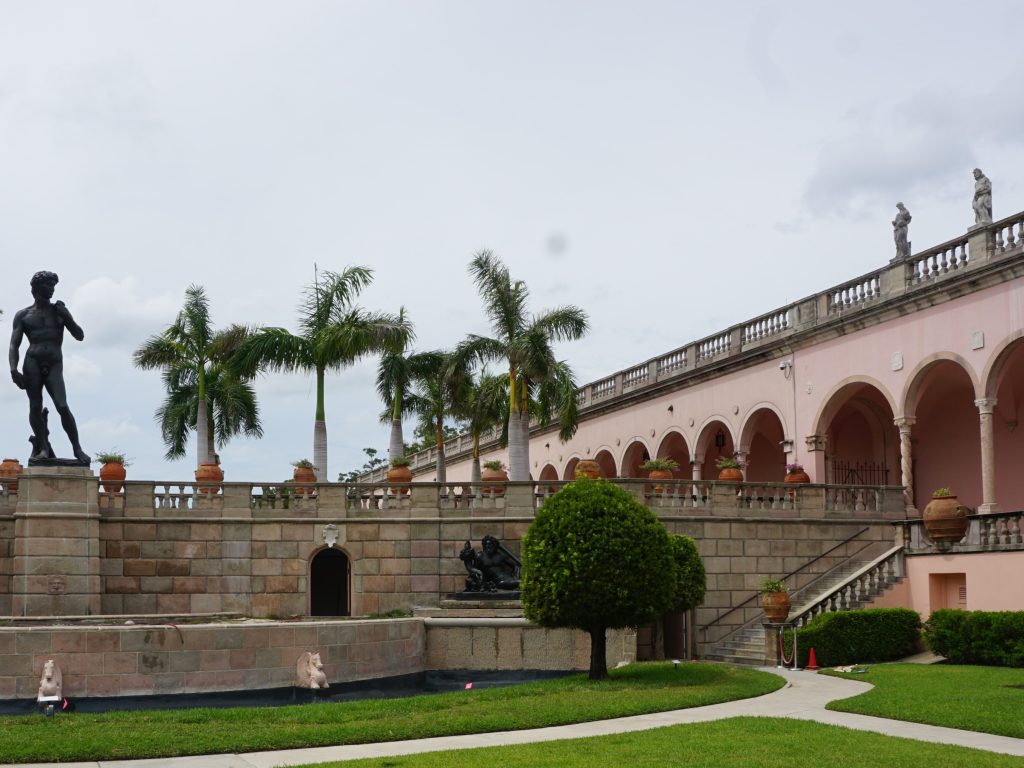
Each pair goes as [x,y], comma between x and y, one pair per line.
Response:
[982,203]
[900,227]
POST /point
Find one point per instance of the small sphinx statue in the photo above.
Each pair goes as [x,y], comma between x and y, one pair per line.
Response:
[51,684]
[309,672]
[492,568]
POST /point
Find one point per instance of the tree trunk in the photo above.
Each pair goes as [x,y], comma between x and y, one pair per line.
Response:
[202,435]
[442,476]
[396,446]
[519,446]
[598,647]
[320,450]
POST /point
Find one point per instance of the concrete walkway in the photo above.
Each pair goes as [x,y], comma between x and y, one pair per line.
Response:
[804,698]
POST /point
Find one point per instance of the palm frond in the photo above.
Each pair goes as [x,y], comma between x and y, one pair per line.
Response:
[275,349]
[566,323]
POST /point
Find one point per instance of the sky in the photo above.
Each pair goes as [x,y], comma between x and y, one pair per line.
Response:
[673,168]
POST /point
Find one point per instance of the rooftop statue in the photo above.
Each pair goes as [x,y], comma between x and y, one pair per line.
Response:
[491,568]
[982,198]
[43,323]
[900,225]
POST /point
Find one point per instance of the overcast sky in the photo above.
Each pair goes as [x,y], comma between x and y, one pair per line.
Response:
[671,167]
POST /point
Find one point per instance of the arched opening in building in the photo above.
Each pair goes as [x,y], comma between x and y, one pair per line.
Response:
[862,442]
[762,440]
[945,436]
[673,446]
[328,583]
[715,442]
[1006,384]
[635,455]
[570,469]
[548,473]
[606,461]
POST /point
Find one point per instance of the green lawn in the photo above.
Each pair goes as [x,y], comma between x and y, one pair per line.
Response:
[633,690]
[746,742]
[972,698]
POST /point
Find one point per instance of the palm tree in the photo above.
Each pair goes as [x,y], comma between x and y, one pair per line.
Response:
[332,335]
[397,371]
[191,354]
[440,390]
[538,383]
[485,406]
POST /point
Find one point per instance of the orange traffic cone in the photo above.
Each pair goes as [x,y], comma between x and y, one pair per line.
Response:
[812,663]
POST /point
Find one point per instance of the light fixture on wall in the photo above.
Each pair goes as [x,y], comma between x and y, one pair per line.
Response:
[720,440]
[671,409]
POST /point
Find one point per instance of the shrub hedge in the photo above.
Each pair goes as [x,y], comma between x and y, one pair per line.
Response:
[858,637]
[992,638]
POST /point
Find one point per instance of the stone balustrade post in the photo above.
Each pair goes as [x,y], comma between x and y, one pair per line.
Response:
[980,244]
[424,498]
[905,425]
[986,407]
[237,499]
[332,501]
[138,499]
[519,498]
[892,281]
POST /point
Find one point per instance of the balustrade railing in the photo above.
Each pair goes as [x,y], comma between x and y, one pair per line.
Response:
[1009,233]
[635,377]
[672,362]
[854,295]
[602,389]
[766,326]
[714,346]
[860,587]
[938,261]
[995,532]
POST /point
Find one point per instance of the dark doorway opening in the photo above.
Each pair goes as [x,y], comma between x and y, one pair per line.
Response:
[328,575]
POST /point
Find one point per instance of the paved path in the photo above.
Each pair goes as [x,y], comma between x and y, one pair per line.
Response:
[804,699]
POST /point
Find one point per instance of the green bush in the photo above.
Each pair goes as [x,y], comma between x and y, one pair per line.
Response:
[859,637]
[992,638]
[691,578]
[594,559]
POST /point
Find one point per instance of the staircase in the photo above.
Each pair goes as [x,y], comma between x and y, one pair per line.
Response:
[850,586]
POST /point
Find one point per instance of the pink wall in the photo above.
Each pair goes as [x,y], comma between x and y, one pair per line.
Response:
[992,580]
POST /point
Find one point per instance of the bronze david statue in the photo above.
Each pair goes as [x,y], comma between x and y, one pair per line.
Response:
[43,323]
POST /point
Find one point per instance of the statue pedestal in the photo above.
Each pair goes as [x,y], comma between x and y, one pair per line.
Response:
[56,543]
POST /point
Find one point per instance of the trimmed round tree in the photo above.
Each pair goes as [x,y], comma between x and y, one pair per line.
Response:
[691,579]
[596,559]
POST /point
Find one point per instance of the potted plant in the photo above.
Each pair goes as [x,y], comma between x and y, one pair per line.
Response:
[945,519]
[9,471]
[660,469]
[775,600]
[112,473]
[305,472]
[795,474]
[729,469]
[589,469]
[493,472]
[400,473]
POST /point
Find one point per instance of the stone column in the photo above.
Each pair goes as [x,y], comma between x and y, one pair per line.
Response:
[905,425]
[57,543]
[815,458]
[986,407]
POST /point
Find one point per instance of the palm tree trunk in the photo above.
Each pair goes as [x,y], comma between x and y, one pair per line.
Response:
[202,434]
[519,446]
[396,446]
[320,432]
[442,476]
[474,469]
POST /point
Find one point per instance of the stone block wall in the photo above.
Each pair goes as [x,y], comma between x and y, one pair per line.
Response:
[6,555]
[196,658]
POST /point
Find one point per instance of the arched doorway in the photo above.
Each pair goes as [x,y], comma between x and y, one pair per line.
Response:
[946,444]
[862,442]
[635,455]
[762,443]
[1006,384]
[606,461]
[673,446]
[570,468]
[715,441]
[328,583]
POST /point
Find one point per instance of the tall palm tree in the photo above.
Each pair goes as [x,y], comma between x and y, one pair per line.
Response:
[188,351]
[538,383]
[485,406]
[332,334]
[440,389]
[397,371]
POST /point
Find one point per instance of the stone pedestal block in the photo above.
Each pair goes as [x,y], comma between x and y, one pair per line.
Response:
[56,543]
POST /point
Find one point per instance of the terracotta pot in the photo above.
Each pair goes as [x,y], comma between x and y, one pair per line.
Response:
[9,471]
[660,474]
[732,474]
[210,477]
[945,519]
[776,606]
[400,475]
[304,475]
[797,477]
[112,476]
[493,476]
[589,468]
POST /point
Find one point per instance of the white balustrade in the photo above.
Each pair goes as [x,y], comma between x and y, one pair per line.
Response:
[673,361]
[635,377]
[1009,234]
[714,346]
[939,261]
[854,295]
[766,326]
[602,389]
